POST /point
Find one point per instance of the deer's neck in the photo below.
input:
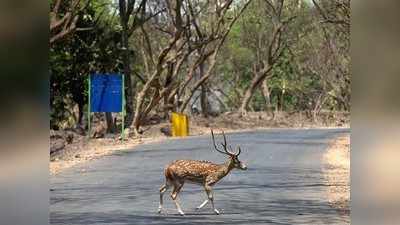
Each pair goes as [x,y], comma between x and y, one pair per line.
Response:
[225,169]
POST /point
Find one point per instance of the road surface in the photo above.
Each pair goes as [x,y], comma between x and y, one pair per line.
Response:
[284,183]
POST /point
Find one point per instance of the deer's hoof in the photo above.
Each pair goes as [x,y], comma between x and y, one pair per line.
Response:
[216,211]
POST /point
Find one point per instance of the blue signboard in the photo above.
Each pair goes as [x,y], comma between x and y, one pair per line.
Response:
[106,93]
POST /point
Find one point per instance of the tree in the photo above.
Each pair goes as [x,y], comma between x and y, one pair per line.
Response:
[132,16]
[335,12]
[184,38]
[94,49]
[221,31]
[336,32]
[64,15]
[268,49]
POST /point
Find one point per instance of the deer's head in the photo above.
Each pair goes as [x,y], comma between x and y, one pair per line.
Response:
[234,157]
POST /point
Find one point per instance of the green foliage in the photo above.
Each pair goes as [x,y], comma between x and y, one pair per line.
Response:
[302,74]
[95,49]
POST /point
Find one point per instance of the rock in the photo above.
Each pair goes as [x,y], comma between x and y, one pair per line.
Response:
[56,134]
[54,159]
[56,145]
[76,130]
[79,130]
[100,130]
[127,132]
[166,131]
[69,137]
[110,136]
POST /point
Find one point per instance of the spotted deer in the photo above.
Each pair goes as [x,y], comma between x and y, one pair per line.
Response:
[203,173]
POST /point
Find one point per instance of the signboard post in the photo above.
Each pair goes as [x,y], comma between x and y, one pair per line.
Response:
[88,106]
[106,94]
[123,108]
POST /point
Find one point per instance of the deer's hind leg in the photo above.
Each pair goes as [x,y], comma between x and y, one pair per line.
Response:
[163,189]
[174,195]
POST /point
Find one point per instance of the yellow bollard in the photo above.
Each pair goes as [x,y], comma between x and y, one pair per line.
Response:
[180,124]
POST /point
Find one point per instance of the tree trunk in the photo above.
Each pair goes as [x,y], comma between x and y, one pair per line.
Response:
[267,96]
[129,93]
[318,107]
[129,81]
[80,113]
[255,83]
[110,123]
[246,99]
[204,101]
[168,80]
[203,96]
[137,116]
[282,100]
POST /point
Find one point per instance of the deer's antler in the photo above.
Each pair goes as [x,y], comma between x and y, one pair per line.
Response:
[215,146]
[239,151]
[232,152]
[224,145]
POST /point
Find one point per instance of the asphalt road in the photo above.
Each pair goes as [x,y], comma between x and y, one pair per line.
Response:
[284,183]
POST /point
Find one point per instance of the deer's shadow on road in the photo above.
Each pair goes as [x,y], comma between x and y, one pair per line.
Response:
[155,219]
[276,212]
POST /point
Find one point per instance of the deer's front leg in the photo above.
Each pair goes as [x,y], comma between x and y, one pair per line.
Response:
[210,196]
[202,204]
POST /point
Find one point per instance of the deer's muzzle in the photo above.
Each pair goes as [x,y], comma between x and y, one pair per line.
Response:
[243,166]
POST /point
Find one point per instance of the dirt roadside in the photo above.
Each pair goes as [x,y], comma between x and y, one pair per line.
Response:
[337,174]
[82,149]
